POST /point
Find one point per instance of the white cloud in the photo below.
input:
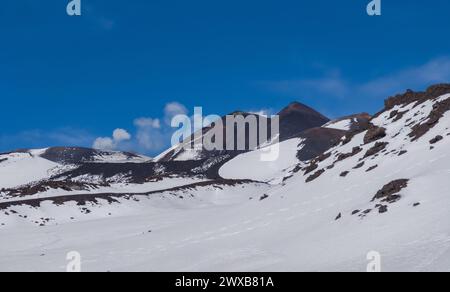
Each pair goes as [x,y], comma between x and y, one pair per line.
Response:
[151,135]
[114,143]
[147,123]
[103,143]
[150,139]
[120,135]
[173,109]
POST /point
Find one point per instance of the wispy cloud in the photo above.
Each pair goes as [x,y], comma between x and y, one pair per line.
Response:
[435,71]
[334,85]
[105,23]
[98,19]
[149,136]
[41,138]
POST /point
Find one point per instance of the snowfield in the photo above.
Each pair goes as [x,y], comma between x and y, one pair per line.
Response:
[22,168]
[340,125]
[384,189]
[251,165]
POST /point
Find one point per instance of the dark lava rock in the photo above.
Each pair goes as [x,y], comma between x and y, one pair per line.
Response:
[411,96]
[382,209]
[311,167]
[436,139]
[344,174]
[389,191]
[374,133]
[359,165]
[378,147]
[398,115]
[263,197]
[371,168]
[344,156]
[315,175]
[436,114]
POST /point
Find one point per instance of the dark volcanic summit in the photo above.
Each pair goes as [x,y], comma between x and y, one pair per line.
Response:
[297,117]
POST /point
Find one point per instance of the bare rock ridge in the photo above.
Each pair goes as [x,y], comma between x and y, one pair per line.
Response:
[411,96]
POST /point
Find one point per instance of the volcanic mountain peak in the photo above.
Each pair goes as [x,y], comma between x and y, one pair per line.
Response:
[294,119]
[297,117]
[300,108]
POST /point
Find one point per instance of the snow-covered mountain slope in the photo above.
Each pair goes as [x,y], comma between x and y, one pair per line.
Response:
[24,167]
[252,166]
[383,188]
[21,168]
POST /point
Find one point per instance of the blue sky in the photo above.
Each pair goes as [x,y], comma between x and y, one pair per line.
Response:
[130,64]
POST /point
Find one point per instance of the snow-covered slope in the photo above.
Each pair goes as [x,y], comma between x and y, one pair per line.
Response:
[24,167]
[21,168]
[383,188]
[252,165]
